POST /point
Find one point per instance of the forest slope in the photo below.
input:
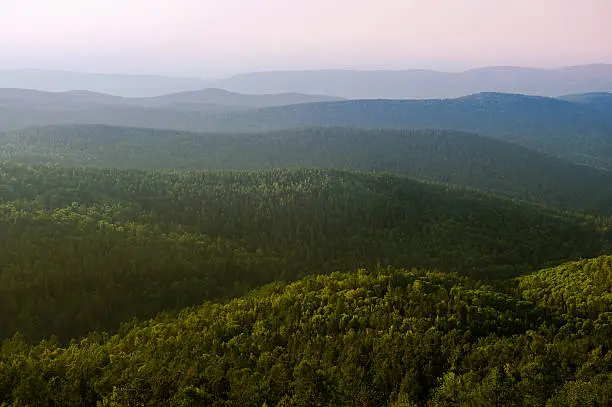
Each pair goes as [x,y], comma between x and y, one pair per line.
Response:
[123,85]
[442,156]
[597,100]
[382,337]
[575,131]
[194,110]
[582,288]
[84,249]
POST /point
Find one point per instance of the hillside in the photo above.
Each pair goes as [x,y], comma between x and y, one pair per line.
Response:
[597,100]
[201,98]
[195,110]
[177,117]
[224,98]
[442,156]
[121,85]
[382,337]
[85,249]
[14,97]
[574,131]
[426,84]
[581,288]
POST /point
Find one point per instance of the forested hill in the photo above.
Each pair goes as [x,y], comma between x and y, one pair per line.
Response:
[442,156]
[575,131]
[79,99]
[193,110]
[382,337]
[597,100]
[582,288]
[579,132]
[86,249]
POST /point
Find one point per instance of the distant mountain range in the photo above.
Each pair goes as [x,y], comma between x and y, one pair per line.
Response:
[425,84]
[192,110]
[579,130]
[121,85]
[352,84]
[202,99]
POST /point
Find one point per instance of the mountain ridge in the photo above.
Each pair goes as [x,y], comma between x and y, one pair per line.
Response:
[578,132]
[573,130]
[347,83]
[213,96]
[137,85]
[449,157]
[426,84]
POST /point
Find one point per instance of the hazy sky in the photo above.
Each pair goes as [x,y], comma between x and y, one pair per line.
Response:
[210,36]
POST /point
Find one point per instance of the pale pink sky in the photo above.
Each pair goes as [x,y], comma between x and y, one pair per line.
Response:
[194,36]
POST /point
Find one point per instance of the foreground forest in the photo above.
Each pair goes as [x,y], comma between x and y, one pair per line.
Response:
[86,249]
[294,288]
[373,337]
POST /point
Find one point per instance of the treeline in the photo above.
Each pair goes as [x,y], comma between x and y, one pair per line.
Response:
[85,249]
[448,157]
[384,337]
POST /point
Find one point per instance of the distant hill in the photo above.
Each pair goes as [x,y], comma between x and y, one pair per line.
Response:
[597,100]
[120,85]
[575,131]
[353,84]
[195,110]
[425,84]
[225,98]
[27,98]
[442,156]
[179,117]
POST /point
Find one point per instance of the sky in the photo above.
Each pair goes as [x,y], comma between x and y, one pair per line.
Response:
[217,37]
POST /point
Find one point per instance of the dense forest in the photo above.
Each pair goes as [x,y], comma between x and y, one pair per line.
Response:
[86,249]
[387,265]
[343,227]
[374,337]
[448,157]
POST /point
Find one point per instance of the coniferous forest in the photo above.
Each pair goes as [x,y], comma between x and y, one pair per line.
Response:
[315,266]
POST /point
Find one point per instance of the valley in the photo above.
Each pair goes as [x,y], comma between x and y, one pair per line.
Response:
[214,248]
